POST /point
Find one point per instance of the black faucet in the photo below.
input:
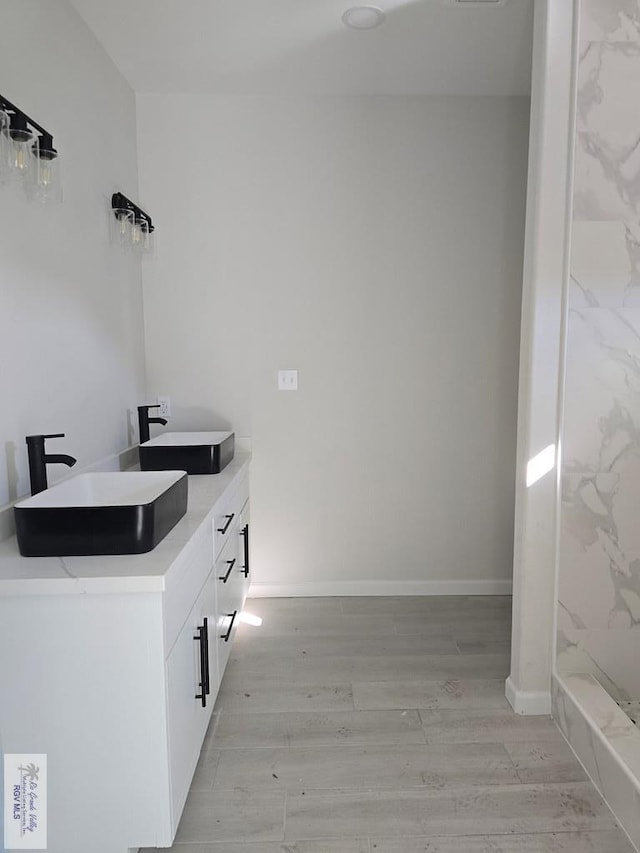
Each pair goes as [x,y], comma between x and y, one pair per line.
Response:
[38,460]
[144,420]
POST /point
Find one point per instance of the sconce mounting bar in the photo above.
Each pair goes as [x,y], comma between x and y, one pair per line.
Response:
[6,105]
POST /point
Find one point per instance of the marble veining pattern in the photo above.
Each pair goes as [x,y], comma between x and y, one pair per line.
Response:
[610,21]
[607,176]
[605,265]
[602,399]
[598,641]
[606,72]
[599,575]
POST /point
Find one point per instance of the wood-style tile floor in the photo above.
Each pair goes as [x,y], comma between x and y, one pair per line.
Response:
[379,725]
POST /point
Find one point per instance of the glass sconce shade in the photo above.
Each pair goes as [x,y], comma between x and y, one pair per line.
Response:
[5,146]
[45,183]
[122,220]
[146,237]
[21,159]
[141,235]
[136,233]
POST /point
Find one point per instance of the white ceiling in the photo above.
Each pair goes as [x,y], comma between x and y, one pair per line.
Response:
[302,47]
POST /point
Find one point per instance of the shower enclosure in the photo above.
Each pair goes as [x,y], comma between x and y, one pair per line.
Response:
[597,680]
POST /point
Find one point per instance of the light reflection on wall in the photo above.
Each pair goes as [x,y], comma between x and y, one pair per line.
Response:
[541,464]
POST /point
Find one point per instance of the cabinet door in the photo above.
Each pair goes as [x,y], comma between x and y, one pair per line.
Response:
[192,687]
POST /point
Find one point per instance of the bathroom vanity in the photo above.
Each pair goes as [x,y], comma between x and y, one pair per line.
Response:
[111,665]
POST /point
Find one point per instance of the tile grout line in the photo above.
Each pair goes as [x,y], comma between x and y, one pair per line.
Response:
[513,764]
[340,745]
[214,775]
[212,728]
[284,817]
[422,726]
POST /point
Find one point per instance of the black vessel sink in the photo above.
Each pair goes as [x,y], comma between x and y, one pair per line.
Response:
[105,513]
[193,452]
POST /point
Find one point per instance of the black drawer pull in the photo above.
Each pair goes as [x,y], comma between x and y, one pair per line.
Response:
[226,636]
[202,638]
[226,526]
[207,679]
[245,535]
[231,564]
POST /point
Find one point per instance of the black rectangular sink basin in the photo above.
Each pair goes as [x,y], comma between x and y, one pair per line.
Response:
[104,513]
[193,452]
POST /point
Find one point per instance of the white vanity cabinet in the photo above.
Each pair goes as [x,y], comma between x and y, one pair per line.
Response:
[111,666]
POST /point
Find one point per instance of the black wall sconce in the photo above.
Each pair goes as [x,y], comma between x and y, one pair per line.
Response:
[27,155]
[133,228]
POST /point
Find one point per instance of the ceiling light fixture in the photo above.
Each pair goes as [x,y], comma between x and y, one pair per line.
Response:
[363,17]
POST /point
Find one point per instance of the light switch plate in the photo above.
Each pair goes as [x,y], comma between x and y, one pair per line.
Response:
[287,380]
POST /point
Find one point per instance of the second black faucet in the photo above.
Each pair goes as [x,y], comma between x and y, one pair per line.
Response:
[144,420]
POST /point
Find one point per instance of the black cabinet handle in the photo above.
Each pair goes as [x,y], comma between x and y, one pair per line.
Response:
[231,564]
[207,679]
[245,535]
[226,636]
[204,654]
[226,526]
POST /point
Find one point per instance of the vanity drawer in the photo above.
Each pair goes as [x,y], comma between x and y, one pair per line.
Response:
[226,629]
[226,516]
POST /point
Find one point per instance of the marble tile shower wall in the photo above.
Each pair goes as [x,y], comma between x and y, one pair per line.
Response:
[599,593]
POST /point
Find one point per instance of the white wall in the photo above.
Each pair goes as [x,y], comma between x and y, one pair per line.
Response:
[375,244]
[71,332]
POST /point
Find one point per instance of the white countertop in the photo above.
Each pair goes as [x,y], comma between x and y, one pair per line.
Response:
[126,572]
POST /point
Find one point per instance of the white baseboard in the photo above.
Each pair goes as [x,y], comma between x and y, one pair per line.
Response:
[391,587]
[528,703]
